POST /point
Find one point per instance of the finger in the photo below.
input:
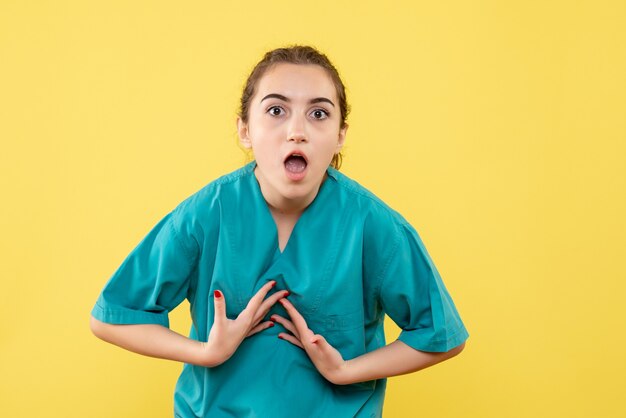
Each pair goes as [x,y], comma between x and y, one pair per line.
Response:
[291,339]
[287,324]
[260,327]
[220,306]
[267,304]
[318,340]
[296,318]
[257,299]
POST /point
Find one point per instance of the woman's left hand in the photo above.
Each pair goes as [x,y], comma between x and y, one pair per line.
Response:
[325,357]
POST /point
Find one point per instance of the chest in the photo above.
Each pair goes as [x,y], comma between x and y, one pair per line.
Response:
[316,256]
[284,228]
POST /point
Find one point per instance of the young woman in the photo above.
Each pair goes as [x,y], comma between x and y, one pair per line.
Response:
[285,239]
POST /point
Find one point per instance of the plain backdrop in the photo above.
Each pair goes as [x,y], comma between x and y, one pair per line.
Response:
[497,128]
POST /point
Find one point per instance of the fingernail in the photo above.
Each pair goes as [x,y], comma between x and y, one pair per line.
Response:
[280,337]
[271,324]
[287,293]
[217,294]
[273,284]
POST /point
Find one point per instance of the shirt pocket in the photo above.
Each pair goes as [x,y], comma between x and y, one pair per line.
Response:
[345,332]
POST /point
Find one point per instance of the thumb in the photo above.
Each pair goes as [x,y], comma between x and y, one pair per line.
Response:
[220,306]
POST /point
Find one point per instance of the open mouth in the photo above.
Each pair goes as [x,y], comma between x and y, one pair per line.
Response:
[295,163]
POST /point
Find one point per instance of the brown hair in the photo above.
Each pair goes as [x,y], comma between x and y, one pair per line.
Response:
[295,54]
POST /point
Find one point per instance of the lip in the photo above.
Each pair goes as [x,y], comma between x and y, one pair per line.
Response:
[298,152]
[296,176]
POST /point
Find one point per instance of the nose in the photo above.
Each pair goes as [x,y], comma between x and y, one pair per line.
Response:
[297,138]
[297,132]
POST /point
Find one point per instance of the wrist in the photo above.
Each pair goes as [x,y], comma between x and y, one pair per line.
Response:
[208,356]
[343,374]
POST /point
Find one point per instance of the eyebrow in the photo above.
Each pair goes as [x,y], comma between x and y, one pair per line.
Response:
[285,99]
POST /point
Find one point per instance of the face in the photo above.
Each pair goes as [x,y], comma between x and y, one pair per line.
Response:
[293,129]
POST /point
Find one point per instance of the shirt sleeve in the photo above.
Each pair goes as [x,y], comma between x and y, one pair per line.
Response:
[152,280]
[413,295]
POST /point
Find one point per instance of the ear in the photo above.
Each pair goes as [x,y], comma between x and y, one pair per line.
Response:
[342,138]
[244,134]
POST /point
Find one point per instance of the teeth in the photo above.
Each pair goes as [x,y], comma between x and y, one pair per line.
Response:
[295,154]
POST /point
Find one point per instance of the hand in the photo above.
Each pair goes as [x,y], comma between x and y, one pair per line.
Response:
[227,334]
[325,357]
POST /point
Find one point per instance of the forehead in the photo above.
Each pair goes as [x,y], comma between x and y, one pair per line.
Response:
[297,82]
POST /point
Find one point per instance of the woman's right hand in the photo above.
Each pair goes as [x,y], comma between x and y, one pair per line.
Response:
[227,334]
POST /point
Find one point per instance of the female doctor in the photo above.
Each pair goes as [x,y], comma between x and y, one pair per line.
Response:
[289,240]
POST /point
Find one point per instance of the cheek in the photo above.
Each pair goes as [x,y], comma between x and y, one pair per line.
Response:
[260,122]
[268,131]
[331,140]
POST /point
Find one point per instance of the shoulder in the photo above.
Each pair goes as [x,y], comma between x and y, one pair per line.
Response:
[200,212]
[374,211]
[208,197]
[384,230]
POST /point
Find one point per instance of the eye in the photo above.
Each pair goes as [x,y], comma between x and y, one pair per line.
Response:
[275,110]
[320,114]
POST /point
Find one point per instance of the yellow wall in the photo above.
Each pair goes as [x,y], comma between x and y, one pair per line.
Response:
[497,129]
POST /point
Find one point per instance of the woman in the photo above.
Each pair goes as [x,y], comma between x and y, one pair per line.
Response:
[285,239]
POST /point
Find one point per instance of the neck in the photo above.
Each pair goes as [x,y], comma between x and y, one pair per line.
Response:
[283,205]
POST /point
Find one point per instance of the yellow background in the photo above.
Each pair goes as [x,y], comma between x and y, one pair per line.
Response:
[496,128]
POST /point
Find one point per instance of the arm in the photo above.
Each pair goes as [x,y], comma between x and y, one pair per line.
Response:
[393,359]
[154,341]
[225,336]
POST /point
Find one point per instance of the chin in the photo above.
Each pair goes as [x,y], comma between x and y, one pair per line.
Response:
[296,191]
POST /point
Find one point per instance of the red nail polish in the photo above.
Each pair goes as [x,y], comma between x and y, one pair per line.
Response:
[287,294]
[280,337]
[273,284]
[271,324]
[217,294]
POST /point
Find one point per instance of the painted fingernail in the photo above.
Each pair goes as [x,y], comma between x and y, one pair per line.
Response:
[271,324]
[217,294]
[279,336]
[273,284]
[287,293]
